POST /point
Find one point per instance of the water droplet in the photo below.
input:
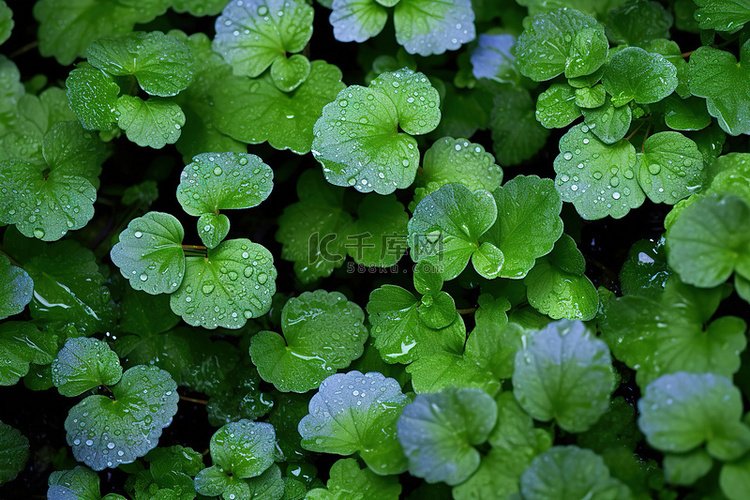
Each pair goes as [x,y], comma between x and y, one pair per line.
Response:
[207,288]
[138,234]
[143,277]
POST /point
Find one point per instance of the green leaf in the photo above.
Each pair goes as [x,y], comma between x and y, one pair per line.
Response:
[199,8]
[6,22]
[347,480]
[289,73]
[734,478]
[223,181]
[400,332]
[516,134]
[20,344]
[591,97]
[11,91]
[162,64]
[149,253]
[645,272]
[672,332]
[357,20]
[637,22]
[322,332]
[671,167]
[255,111]
[428,27]
[608,123]
[565,373]
[212,229]
[241,398]
[305,226]
[143,314]
[67,27]
[84,364]
[105,432]
[561,41]
[357,139]
[640,76]
[446,226]
[686,114]
[243,449]
[153,123]
[80,483]
[439,433]
[722,15]
[16,288]
[556,107]
[69,289]
[681,411]
[557,287]
[457,160]
[599,179]
[14,452]
[492,58]
[710,240]
[354,413]
[717,76]
[686,469]
[527,225]
[63,181]
[251,35]
[233,283]
[92,95]
[549,475]
[382,227]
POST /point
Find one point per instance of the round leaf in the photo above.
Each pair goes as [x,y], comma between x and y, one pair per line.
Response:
[671,167]
[243,449]
[634,74]
[565,373]
[322,332]
[16,288]
[252,34]
[352,413]
[212,229]
[357,20]
[83,364]
[427,27]
[233,283]
[106,432]
[14,452]
[92,95]
[149,253]
[599,179]
[289,73]
[439,433]
[222,181]
[153,123]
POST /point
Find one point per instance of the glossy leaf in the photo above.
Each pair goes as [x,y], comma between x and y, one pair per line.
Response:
[153,123]
[16,288]
[347,480]
[565,373]
[149,253]
[721,15]
[93,97]
[353,413]
[83,364]
[233,283]
[322,332]
[439,433]
[14,452]
[428,27]
[106,432]
[357,139]
[162,64]
[252,34]
[21,344]
[516,134]
[671,167]
[357,20]
[599,179]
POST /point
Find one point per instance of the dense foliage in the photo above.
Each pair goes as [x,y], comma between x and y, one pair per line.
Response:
[491,250]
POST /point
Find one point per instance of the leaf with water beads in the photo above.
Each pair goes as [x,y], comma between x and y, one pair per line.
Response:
[492,58]
[153,123]
[288,73]
[16,288]
[556,107]
[252,34]
[717,76]
[516,134]
[348,480]
[223,181]
[599,179]
[149,253]
[439,433]
[561,41]
[357,139]
[682,411]
[322,332]
[353,413]
[83,364]
[105,432]
[428,27]
[255,111]
[21,343]
[607,122]
[162,64]
[92,95]
[75,484]
[671,167]
[6,22]
[234,282]
[446,227]
[564,373]
[640,76]
[722,15]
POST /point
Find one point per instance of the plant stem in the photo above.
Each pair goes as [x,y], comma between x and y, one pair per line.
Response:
[468,310]
[193,400]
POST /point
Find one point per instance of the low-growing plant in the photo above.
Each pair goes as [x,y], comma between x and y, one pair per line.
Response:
[492,250]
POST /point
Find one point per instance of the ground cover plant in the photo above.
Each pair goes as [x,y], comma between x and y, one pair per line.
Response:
[374,249]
